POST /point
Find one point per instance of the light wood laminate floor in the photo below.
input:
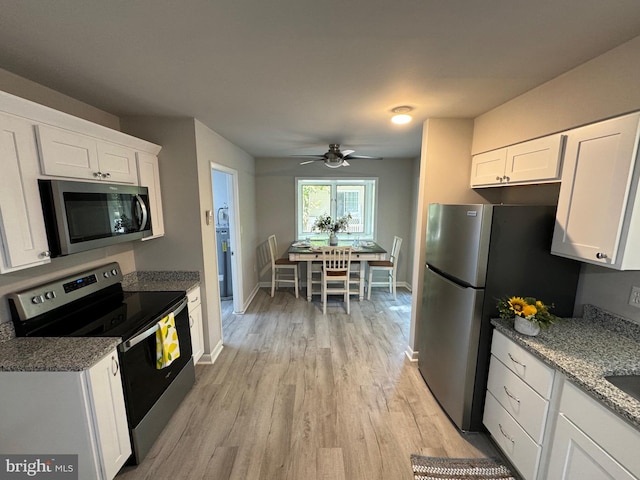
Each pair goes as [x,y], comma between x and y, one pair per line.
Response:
[298,395]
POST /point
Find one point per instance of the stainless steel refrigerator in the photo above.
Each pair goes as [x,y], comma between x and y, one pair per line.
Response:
[476,254]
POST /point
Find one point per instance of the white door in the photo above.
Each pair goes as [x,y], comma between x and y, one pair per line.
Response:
[535,161]
[234,252]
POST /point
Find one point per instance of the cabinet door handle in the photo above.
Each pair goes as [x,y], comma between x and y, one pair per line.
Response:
[499,179]
[106,175]
[190,321]
[516,361]
[508,437]
[601,255]
[511,395]
[195,299]
[97,174]
[115,366]
[45,254]
[506,179]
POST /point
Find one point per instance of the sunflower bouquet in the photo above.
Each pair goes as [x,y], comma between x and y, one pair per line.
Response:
[528,308]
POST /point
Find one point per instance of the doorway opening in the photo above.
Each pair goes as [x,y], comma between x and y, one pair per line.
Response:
[224,183]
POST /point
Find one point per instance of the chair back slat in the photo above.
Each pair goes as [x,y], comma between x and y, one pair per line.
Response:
[336,259]
[273,249]
[395,249]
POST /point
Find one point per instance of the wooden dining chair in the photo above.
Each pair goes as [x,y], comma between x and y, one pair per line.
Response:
[390,267]
[280,267]
[336,265]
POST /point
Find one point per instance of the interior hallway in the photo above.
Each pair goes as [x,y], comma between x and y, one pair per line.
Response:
[298,395]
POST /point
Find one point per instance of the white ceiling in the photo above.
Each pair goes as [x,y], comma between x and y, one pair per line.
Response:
[286,77]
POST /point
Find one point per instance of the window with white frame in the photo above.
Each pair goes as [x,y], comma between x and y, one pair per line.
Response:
[336,197]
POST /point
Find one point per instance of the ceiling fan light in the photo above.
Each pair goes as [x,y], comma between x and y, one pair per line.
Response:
[401,119]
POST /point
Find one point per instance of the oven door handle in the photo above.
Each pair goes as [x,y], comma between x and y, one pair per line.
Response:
[129,344]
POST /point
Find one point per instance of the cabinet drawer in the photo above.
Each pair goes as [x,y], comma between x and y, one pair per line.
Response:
[523,452]
[522,402]
[194,297]
[535,373]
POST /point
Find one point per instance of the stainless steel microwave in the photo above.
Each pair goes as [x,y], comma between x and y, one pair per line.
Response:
[82,216]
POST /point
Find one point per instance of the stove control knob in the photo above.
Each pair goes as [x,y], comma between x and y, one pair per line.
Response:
[37,299]
[114,272]
[105,274]
[50,295]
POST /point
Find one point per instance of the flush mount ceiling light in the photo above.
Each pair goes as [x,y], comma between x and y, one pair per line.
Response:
[401,115]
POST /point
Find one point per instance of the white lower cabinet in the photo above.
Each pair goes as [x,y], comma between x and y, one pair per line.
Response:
[591,443]
[22,233]
[195,322]
[79,413]
[517,404]
[550,429]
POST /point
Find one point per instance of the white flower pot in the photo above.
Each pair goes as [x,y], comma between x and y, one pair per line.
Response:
[333,239]
[524,326]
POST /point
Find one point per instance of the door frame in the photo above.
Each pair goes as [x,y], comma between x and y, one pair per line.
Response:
[234,222]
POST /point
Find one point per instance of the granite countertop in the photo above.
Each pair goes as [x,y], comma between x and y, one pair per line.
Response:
[54,354]
[586,350]
[79,353]
[160,281]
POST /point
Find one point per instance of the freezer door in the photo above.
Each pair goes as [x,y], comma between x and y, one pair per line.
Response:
[458,241]
[448,338]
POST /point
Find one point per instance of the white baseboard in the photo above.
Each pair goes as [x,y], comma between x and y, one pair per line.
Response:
[209,358]
[411,354]
[249,299]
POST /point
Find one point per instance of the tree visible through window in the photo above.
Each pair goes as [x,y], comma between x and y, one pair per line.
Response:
[336,197]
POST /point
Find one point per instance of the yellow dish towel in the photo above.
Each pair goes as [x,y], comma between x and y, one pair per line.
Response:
[167,346]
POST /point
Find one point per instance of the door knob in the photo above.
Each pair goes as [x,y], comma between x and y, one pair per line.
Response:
[601,255]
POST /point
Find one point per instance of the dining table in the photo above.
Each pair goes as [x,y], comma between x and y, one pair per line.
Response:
[311,251]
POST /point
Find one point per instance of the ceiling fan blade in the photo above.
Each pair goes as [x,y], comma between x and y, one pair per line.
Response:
[362,157]
[345,163]
[347,152]
[319,157]
[309,161]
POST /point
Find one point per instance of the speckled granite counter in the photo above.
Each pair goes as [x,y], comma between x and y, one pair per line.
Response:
[53,354]
[160,281]
[585,350]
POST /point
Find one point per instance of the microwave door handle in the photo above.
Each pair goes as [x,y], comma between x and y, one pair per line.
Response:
[145,214]
[129,344]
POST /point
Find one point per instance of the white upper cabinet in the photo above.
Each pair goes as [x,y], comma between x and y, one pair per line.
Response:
[69,154]
[535,161]
[24,240]
[149,176]
[598,217]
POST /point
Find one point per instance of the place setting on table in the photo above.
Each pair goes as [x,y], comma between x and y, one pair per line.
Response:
[310,251]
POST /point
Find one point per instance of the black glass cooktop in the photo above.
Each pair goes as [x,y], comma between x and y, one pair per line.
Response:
[109,314]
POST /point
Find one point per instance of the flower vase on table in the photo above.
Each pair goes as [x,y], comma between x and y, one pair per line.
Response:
[324,223]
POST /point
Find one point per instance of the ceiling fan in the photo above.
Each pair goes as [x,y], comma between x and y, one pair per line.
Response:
[335,158]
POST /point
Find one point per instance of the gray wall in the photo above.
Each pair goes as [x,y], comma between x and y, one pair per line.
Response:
[275,191]
[603,87]
[189,147]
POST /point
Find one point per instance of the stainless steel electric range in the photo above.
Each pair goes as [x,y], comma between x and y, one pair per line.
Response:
[92,303]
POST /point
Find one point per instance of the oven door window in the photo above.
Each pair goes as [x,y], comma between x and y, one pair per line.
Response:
[91,216]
